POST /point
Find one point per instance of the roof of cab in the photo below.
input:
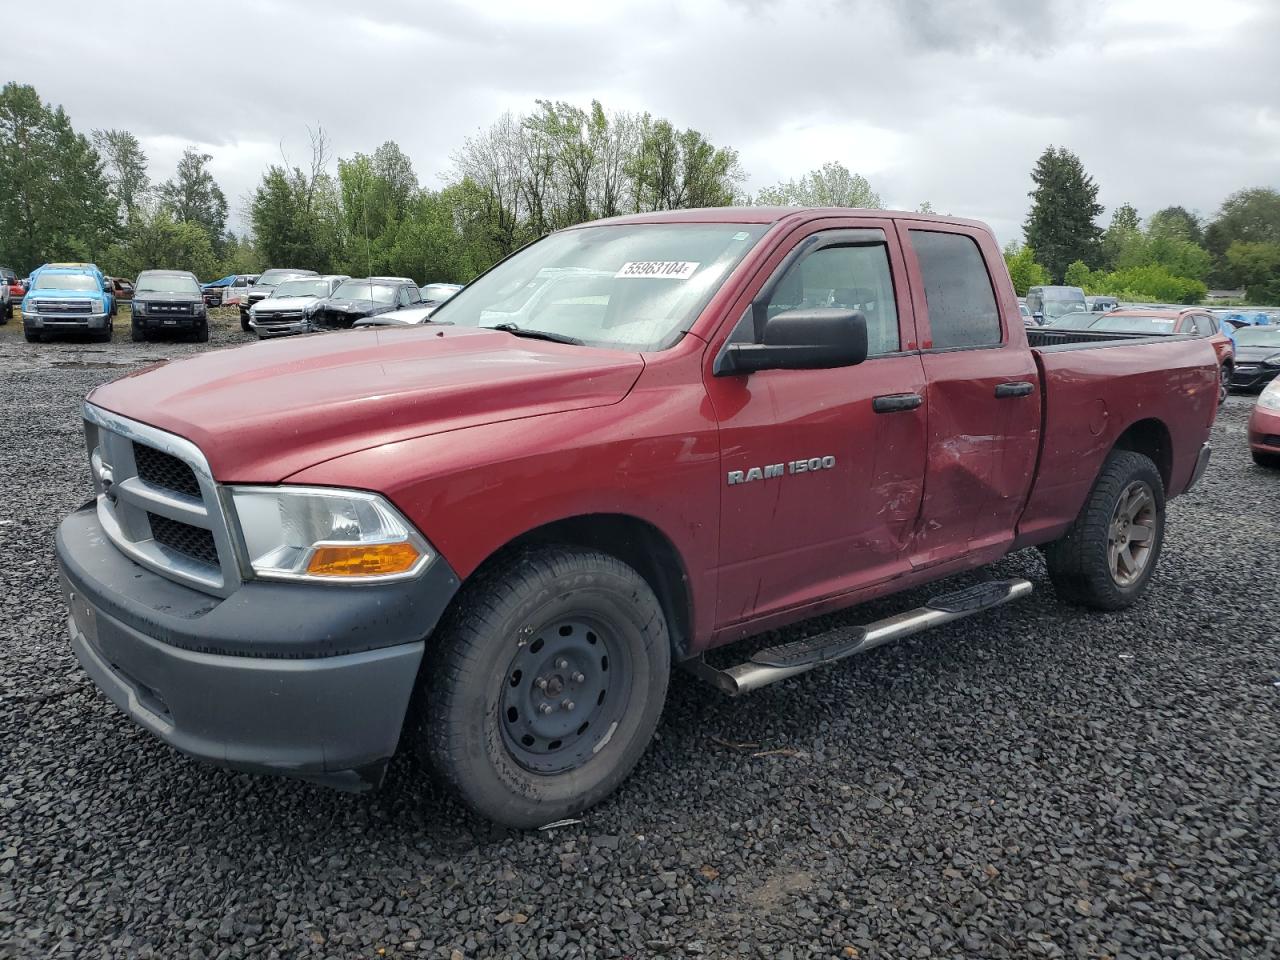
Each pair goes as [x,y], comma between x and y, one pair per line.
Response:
[773,215]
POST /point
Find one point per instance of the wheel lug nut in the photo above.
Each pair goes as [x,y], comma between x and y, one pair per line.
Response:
[578,677]
[561,663]
[541,683]
[545,708]
[566,704]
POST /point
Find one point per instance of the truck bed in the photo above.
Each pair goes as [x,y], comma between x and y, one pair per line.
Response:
[1097,386]
[1050,338]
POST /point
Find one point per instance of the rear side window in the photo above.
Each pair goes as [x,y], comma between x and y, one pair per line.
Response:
[852,277]
[957,290]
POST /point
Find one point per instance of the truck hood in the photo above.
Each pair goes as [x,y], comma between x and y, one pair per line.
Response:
[1255,354]
[60,294]
[263,412]
[274,304]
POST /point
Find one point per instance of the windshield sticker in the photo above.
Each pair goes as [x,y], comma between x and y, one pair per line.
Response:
[657,269]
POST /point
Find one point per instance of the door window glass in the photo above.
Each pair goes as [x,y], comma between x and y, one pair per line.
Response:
[849,277]
[957,290]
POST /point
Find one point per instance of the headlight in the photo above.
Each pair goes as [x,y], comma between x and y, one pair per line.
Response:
[317,533]
[1269,399]
[138,306]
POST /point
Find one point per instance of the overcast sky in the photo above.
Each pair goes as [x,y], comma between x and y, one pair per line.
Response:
[950,101]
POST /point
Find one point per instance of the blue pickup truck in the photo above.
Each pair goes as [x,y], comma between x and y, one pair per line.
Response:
[68,298]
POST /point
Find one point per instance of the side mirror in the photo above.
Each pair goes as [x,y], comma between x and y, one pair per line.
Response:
[1038,316]
[814,339]
[106,286]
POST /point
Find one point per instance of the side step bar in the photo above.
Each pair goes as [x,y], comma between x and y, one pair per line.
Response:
[800,656]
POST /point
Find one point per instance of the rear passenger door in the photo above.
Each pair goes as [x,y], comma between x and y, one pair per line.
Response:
[983,393]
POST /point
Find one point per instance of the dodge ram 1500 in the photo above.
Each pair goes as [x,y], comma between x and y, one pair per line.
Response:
[492,535]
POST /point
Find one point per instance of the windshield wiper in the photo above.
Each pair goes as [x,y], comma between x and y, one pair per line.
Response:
[536,334]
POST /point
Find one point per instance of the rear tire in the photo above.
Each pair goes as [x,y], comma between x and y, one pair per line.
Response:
[1107,557]
[546,686]
[1269,460]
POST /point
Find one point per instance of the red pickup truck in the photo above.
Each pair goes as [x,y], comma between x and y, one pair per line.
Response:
[636,440]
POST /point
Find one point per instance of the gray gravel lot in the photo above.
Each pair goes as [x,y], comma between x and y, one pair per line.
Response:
[1034,782]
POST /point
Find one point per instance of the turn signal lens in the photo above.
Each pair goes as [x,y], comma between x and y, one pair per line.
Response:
[363,560]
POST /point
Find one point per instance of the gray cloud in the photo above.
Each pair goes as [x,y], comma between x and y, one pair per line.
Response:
[945,101]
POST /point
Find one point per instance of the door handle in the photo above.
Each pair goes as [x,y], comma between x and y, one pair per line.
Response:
[894,402]
[1019,388]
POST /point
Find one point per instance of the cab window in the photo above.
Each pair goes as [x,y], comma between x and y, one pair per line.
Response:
[957,290]
[854,277]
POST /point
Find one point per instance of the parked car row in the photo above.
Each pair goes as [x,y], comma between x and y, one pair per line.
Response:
[77,298]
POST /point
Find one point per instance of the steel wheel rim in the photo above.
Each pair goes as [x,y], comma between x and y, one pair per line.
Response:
[1131,534]
[563,693]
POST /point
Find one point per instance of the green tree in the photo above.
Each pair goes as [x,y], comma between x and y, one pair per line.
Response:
[1064,206]
[1024,271]
[1248,216]
[126,168]
[1177,223]
[1124,231]
[193,196]
[154,240]
[1078,274]
[55,203]
[287,227]
[831,185]
[1256,266]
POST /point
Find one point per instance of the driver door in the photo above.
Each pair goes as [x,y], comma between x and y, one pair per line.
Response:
[822,469]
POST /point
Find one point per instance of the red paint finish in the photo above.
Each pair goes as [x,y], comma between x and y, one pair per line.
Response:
[480,437]
[1264,431]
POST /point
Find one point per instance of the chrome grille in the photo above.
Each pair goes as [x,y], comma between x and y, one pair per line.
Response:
[63,306]
[158,502]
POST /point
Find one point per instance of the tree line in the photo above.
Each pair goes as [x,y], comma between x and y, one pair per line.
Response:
[68,196]
[1174,256]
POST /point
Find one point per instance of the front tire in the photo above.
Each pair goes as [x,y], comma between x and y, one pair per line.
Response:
[137,334]
[1107,557]
[244,322]
[1224,383]
[547,684]
[1269,460]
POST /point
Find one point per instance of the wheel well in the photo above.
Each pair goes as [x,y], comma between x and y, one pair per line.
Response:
[638,544]
[1151,438]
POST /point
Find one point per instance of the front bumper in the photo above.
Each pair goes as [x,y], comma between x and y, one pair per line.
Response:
[1252,376]
[1264,430]
[306,680]
[146,322]
[42,323]
[267,328]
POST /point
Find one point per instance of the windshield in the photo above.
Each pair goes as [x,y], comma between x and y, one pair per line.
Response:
[67,281]
[302,288]
[272,277]
[364,290]
[436,292]
[1124,324]
[633,286]
[1258,337]
[1060,308]
[162,283]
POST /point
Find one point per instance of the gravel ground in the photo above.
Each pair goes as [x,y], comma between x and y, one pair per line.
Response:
[1034,782]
